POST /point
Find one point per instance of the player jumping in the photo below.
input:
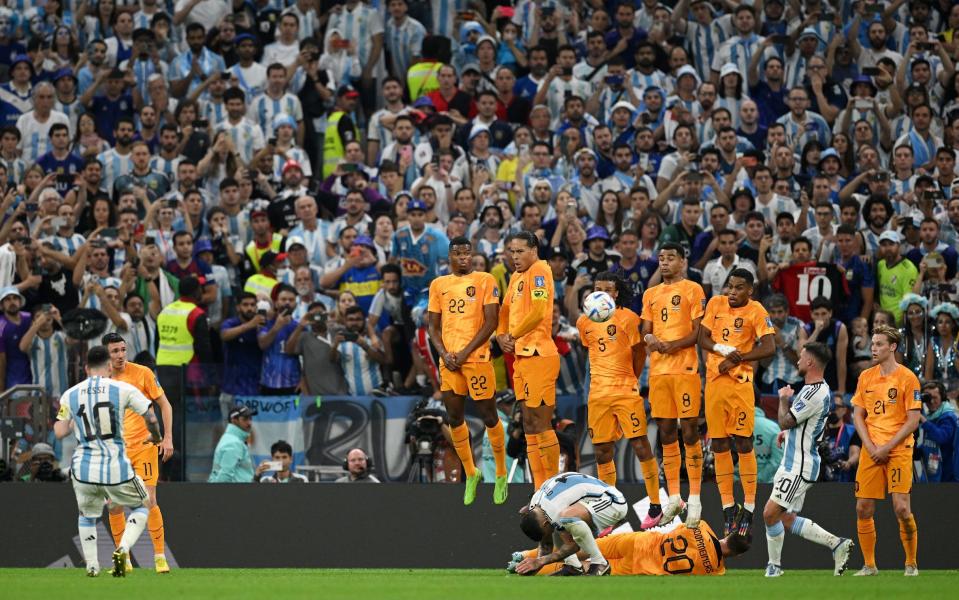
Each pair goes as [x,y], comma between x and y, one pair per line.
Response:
[803,423]
[886,413]
[568,509]
[679,551]
[100,469]
[615,408]
[728,334]
[525,330]
[144,455]
[463,311]
[672,313]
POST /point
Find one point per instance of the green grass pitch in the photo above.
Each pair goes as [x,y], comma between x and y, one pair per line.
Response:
[396,584]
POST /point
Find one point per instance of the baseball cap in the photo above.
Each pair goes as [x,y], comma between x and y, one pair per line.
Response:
[470,67]
[365,240]
[550,253]
[348,91]
[486,38]
[597,232]
[64,72]
[241,410]
[202,245]
[477,129]
[623,104]
[21,58]
[424,102]
[829,153]
[283,119]
[415,204]
[237,40]
[291,164]
[10,291]
[42,449]
[890,236]
[259,209]
[271,258]
[294,240]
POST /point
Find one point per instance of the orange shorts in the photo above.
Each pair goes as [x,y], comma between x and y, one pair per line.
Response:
[534,379]
[676,396]
[873,481]
[612,418]
[474,379]
[146,462]
[730,407]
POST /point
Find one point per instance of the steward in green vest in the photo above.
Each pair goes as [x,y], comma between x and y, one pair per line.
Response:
[261,284]
[264,240]
[340,129]
[183,329]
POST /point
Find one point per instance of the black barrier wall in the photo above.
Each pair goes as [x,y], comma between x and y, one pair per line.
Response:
[416,526]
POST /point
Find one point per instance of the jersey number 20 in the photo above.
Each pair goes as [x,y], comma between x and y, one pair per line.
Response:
[679,563]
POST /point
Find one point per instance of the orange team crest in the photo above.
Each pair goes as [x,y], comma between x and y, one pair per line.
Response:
[611,330]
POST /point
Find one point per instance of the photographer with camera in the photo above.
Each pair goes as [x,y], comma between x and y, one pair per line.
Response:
[840,445]
[939,425]
[358,355]
[280,375]
[242,357]
[322,376]
[41,467]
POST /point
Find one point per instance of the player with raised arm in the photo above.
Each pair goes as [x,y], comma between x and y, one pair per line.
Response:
[568,509]
[100,469]
[144,455]
[729,332]
[886,409]
[672,313]
[525,330]
[802,418]
[616,410]
[464,309]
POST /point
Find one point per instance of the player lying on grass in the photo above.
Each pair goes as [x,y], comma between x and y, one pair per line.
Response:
[661,551]
[569,510]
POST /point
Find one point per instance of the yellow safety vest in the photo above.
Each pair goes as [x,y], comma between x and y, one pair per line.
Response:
[260,284]
[333,150]
[421,79]
[254,252]
[176,341]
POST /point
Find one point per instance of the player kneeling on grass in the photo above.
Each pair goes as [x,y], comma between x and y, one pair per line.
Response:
[680,550]
[100,470]
[570,509]
[803,422]
[616,359]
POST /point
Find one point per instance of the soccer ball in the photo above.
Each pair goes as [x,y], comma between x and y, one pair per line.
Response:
[599,307]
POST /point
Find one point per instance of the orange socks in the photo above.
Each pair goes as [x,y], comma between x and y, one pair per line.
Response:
[549,451]
[866,528]
[497,441]
[671,460]
[694,468]
[155,525]
[607,472]
[651,479]
[534,460]
[724,477]
[909,534]
[461,443]
[118,523]
[748,470]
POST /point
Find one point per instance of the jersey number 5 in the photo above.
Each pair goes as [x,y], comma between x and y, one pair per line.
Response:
[679,563]
[102,427]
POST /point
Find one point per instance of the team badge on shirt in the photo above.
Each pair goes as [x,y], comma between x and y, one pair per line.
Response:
[611,330]
[471,291]
[538,281]
[892,395]
[738,323]
[677,300]
[519,287]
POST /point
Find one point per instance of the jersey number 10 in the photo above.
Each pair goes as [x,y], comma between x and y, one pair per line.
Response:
[104,418]
[809,288]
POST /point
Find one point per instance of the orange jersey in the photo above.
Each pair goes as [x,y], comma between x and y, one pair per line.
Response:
[887,399]
[460,301]
[737,327]
[534,283]
[671,309]
[682,551]
[134,428]
[610,347]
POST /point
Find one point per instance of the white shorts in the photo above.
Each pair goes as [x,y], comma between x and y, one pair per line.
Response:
[789,490]
[92,496]
[606,511]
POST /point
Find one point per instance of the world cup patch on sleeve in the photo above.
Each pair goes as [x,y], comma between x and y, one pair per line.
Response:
[539,294]
[539,281]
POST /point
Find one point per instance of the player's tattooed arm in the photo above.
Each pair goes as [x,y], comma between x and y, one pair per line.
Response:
[786,418]
[153,426]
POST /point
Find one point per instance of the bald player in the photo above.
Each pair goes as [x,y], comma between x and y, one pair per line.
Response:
[143,454]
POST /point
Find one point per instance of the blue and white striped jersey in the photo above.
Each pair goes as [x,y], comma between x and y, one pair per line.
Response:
[813,127]
[105,282]
[444,13]
[315,241]
[263,108]
[165,166]
[247,137]
[48,363]
[297,154]
[705,41]
[405,43]
[67,245]
[810,407]
[362,374]
[566,489]
[214,112]
[35,136]
[114,165]
[360,25]
[96,406]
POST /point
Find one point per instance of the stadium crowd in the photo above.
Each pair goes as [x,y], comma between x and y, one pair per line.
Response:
[289,174]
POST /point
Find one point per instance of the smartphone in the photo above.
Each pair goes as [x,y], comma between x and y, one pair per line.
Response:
[201,124]
[225,76]
[274,465]
[341,44]
[881,177]
[32,207]
[58,222]
[150,241]
[933,196]
[614,80]
[826,17]
[350,167]
[406,152]
[870,71]
[46,307]
[693,176]
[571,209]
[567,71]
[262,312]
[779,38]
[271,141]
[925,46]
[750,161]
[863,104]
[110,233]
[351,336]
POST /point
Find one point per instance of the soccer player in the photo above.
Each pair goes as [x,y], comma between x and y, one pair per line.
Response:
[525,330]
[464,309]
[100,469]
[568,509]
[616,360]
[143,454]
[682,550]
[728,333]
[672,312]
[886,413]
[803,423]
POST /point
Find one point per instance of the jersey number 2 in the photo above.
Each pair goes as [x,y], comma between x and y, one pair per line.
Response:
[103,419]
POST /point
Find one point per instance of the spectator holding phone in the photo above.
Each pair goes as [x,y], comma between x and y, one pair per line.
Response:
[358,355]
[357,273]
[280,374]
[281,455]
[242,356]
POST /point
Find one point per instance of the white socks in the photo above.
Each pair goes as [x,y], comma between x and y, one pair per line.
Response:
[583,536]
[814,533]
[88,541]
[136,523]
[775,535]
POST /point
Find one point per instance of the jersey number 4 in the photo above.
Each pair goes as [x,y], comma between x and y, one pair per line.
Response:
[103,423]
